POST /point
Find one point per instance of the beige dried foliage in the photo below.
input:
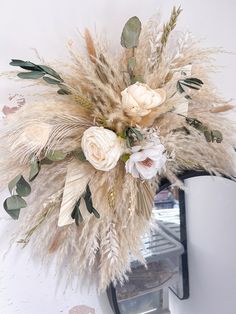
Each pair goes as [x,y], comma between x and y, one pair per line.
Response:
[96,78]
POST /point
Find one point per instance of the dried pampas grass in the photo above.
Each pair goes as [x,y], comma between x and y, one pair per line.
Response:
[92,84]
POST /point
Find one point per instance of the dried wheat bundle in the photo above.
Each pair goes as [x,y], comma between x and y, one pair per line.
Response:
[89,152]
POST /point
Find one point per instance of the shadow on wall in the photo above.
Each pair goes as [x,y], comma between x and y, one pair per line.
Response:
[81,309]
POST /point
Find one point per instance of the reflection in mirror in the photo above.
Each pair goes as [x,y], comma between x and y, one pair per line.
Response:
[164,249]
[167,212]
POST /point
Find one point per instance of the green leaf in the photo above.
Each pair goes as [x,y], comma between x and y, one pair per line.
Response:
[14,213]
[17,62]
[137,78]
[179,88]
[125,157]
[30,75]
[50,80]
[46,161]
[96,213]
[129,141]
[43,69]
[123,134]
[187,97]
[131,64]
[55,155]
[216,136]
[15,202]
[195,123]
[34,169]
[194,80]
[190,86]
[89,203]
[79,154]
[207,135]
[76,214]
[22,187]
[63,90]
[51,72]
[137,133]
[131,32]
[88,200]
[12,183]
[191,82]
[27,65]
[13,205]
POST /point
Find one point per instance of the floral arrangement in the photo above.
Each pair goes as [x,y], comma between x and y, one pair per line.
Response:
[84,160]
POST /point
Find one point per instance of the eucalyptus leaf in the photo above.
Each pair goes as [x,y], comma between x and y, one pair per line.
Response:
[14,213]
[24,64]
[190,86]
[34,169]
[137,78]
[62,91]
[131,32]
[31,68]
[194,80]
[129,142]
[15,202]
[13,205]
[79,154]
[17,62]
[137,133]
[89,203]
[96,213]
[88,199]
[55,155]
[30,75]
[12,183]
[51,72]
[49,80]
[46,161]
[76,214]
[131,64]
[179,88]
[207,135]
[22,187]
[187,97]
[216,136]
[191,82]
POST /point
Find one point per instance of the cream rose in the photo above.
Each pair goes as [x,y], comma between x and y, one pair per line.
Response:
[138,99]
[101,147]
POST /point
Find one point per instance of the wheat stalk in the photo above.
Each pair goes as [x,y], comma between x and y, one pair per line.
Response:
[167,29]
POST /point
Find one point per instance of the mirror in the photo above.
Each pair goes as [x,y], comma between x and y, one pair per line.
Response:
[169,211]
[166,210]
[165,251]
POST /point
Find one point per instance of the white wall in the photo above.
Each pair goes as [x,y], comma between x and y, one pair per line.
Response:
[211,234]
[46,25]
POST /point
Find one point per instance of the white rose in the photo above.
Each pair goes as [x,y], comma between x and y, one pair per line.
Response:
[146,163]
[101,147]
[138,99]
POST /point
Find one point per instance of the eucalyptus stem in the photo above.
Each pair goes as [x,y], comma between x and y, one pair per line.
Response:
[133,51]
